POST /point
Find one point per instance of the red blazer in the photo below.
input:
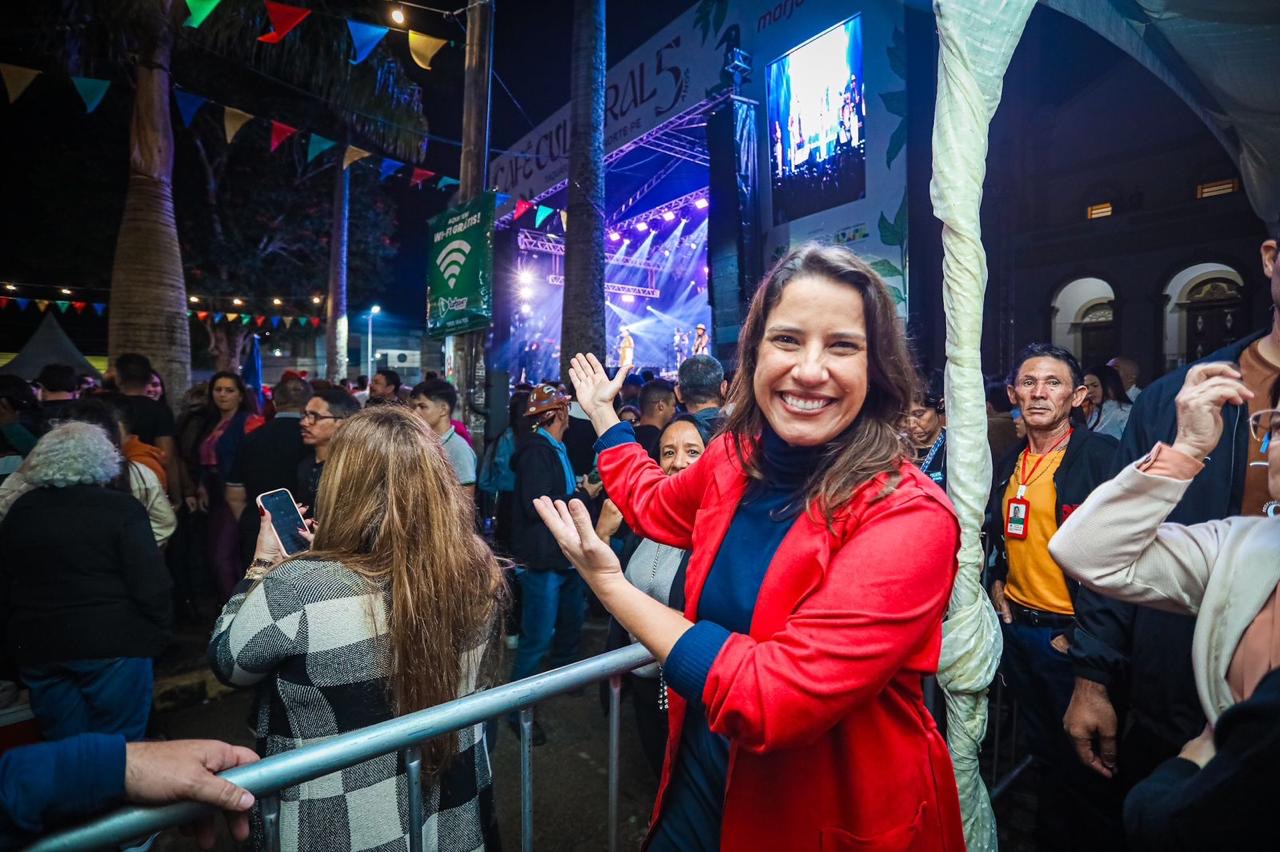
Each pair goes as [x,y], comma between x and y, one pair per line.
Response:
[831,747]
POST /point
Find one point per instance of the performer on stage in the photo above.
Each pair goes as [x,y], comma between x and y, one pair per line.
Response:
[679,347]
[701,342]
[626,349]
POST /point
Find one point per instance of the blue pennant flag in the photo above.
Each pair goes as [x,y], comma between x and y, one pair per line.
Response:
[317,145]
[446,182]
[502,198]
[22,303]
[365,38]
[275,322]
[217,317]
[91,91]
[389,167]
[99,308]
[189,104]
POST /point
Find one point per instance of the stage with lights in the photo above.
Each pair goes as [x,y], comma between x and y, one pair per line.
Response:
[655,289]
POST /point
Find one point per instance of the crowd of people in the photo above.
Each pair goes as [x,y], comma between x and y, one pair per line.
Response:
[747,529]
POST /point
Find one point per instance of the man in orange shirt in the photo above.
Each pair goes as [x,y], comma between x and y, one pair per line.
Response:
[1037,485]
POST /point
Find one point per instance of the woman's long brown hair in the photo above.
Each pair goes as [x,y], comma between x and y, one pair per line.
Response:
[873,444]
[390,509]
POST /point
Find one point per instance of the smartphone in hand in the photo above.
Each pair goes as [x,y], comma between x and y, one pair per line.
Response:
[285,520]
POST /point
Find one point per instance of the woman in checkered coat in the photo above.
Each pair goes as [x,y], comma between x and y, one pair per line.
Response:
[388,613]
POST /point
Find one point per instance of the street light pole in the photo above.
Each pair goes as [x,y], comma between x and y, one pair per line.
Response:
[369,339]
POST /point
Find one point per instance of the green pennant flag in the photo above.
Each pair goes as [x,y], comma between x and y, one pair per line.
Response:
[317,145]
[91,91]
[62,306]
[245,318]
[541,215]
[200,10]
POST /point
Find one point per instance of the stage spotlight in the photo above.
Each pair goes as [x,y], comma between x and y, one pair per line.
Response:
[668,216]
[525,277]
[626,241]
[701,203]
[526,309]
[642,226]
[693,246]
[615,236]
[667,252]
[526,292]
[628,298]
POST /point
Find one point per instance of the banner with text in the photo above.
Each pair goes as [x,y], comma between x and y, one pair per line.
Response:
[460,286]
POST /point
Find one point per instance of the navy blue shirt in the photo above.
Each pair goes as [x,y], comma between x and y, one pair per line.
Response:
[691,813]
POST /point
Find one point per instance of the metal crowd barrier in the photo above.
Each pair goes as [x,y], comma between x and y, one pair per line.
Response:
[406,733]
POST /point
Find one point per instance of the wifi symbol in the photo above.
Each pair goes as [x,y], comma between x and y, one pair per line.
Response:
[451,260]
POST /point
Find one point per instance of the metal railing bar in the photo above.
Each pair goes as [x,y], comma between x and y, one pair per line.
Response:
[312,761]
[413,771]
[998,789]
[526,779]
[615,738]
[270,810]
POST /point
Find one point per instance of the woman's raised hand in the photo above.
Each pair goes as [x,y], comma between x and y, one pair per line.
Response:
[1208,387]
[571,526]
[595,391]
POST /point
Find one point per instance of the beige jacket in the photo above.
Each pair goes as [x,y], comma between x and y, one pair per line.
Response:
[1117,543]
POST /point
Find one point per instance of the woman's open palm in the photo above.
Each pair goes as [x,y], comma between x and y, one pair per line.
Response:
[571,526]
[592,386]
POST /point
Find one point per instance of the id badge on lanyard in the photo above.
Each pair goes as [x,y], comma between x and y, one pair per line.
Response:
[1015,517]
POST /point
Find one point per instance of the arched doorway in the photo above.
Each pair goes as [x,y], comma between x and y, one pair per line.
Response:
[1084,320]
[1204,311]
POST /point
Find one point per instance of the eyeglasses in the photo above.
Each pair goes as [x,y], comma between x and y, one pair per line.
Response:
[312,417]
[1264,427]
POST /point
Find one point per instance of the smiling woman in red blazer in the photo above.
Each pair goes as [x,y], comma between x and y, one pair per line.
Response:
[821,568]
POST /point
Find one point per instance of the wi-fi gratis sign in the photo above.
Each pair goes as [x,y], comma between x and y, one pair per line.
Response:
[451,260]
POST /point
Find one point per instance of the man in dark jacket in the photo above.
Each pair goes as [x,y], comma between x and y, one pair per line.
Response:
[1141,656]
[553,596]
[1035,487]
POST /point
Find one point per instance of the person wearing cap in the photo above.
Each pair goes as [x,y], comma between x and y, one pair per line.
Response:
[553,596]
[701,342]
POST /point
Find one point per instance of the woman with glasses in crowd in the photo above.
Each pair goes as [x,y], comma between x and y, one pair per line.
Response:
[822,562]
[389,612]
[1220,791]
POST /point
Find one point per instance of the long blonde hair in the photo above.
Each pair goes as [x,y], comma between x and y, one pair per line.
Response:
[390,509]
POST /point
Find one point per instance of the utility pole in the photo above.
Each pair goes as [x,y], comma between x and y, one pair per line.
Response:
[335,333]
[468,349]
[582,323]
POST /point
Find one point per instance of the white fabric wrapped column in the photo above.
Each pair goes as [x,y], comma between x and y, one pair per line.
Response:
[977,39]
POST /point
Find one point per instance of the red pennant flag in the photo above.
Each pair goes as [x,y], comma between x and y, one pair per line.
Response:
[258,321]
[202,315]
[279,133]
[419,175]
[315,322]
[283,19]
[4,302]
[79,306]
[522,207]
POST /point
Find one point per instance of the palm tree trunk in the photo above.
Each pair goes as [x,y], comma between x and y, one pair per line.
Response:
[582,323]
[148,307]
[335,334]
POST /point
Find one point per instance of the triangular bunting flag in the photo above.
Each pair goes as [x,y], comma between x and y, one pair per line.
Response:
[91,91]
[16,79]
[543,213]
[423,47]
[217,316]
[317,145]
[245,319]
[419,175]
[388,168]
[202,315]
[258,321]
[232,120]
[22,303]
[288,322]
[522,207]
[446,182]
[79,306]
[200,10]
[42,304]
[364,37]
[564,220]
[62,305]
[315,322]
[4,302]
[353,153]
[279,133]
[189,313]
[232,317]
[502,198]
[189,104]
[275,322]
[283,19]
[99,308]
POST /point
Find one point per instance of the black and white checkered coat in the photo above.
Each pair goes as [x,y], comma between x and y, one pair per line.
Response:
[313,637]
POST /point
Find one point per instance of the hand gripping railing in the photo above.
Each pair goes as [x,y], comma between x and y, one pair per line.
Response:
[406,733]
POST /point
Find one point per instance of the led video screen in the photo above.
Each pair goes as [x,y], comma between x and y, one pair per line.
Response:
[817,124]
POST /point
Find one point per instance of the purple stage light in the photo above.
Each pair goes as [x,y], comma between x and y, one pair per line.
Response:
[642,226]
[668,216]
[615,236]
[701,203]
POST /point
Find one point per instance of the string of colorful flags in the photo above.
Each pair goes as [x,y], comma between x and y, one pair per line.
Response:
[230,317]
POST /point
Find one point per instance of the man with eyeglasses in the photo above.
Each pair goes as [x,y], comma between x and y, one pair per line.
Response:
[1147,652]
[321,418]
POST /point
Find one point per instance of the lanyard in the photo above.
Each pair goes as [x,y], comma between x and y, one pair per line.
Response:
[937,445]
[1024,479]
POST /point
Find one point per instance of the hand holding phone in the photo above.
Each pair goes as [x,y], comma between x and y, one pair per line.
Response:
[286,521]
